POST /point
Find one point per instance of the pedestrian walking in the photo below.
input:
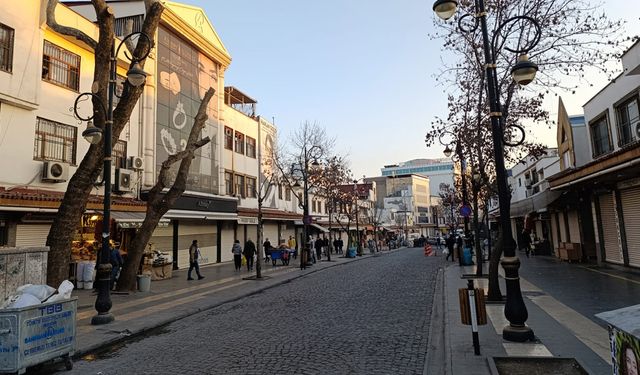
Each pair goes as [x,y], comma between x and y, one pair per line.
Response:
[116,264]
[318,246]
[450,242]
[237,254]
[194,255]
[293,246]
[267,250]
[335,245]
[249,252]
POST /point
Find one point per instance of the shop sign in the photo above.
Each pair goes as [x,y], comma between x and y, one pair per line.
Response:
[248,220]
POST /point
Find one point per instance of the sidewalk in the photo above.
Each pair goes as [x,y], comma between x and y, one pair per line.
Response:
[560,330]
[176,298]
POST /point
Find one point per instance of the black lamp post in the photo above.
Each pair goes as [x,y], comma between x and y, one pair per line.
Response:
[135,77]
[523,72]
[463,174]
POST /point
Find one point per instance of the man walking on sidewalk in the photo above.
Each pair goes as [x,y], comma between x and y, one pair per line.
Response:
[194,255]
[249,252]
[237,254]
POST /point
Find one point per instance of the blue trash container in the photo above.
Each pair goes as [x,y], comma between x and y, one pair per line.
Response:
[351,253]
[466,256]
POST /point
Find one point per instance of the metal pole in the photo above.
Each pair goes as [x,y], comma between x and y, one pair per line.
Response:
[463,176]
[305,215]
[514,310]
[103,278]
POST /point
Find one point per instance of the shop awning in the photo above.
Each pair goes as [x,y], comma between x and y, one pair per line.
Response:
[203,215]
[298,222]
[320,228]
[133,219]
[535,203]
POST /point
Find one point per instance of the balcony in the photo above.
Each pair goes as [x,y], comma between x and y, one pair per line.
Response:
[239,101]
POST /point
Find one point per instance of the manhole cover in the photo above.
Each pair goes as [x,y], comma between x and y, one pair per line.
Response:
[537,366]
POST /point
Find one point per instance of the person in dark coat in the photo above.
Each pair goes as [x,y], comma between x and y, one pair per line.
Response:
[318,245]
[249,252]
[449,242]
[267,250]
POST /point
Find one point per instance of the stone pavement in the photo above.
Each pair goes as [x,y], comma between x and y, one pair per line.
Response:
[561,299]
[176,298]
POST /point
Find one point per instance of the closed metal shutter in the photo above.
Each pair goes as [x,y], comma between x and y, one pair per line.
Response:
[574,227]
[554,233]
[227,241]
[32,234]
[608,220]
[630,199]
[270,231]
[206,235]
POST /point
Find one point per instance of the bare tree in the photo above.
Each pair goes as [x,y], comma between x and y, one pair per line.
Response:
[308,145]
[159,202]
[81,183]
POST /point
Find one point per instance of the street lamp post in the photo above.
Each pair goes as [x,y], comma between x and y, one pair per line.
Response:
[523,72]
[135,77]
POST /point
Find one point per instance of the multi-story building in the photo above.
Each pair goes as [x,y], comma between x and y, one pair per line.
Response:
[40,143]
[406,202]
[605,191]
[530,195]
[439,171]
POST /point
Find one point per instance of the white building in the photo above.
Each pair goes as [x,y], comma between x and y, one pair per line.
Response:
[438,171]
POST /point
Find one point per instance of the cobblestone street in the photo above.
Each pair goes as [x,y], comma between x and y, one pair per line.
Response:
[365,317]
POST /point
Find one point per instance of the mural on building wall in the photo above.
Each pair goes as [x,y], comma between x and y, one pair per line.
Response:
[184,75]
[268,143]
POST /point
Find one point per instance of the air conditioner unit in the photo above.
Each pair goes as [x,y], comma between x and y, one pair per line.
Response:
[527,183]
[637,129]
[529,192]
[123,181]
[55,171]
[135,163]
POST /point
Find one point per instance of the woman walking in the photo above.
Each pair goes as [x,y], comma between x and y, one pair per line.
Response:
[237,255]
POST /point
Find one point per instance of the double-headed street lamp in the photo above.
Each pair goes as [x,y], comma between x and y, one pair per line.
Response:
[308,154]
[135,77]
[523,72]
[463,174]
[356,192]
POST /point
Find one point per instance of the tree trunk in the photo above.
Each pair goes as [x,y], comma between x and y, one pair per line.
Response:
[159,203]
[73,204]
[330,247]
[259,244]
[476,226]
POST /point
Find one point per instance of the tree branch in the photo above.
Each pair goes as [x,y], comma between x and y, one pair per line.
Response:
[65,30]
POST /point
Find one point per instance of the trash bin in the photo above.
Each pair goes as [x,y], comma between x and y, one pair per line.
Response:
[36,334]
[466,256]
[351,253]
[144,283]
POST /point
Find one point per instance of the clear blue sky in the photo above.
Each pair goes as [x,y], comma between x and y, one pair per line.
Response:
[361,68]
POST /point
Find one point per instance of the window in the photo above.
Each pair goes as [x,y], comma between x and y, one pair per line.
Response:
[627,118]
[60,66]
[228,138]
[239,187]
[519,181]
[54,141]
[228,183]
[239,138]
[251,187]
[287,194]
[120,154]
[280,192]
[251,147]
[313,206]
[600,136]
[6,48]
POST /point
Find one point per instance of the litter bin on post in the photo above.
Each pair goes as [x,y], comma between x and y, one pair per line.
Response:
[36,334]
[144,283]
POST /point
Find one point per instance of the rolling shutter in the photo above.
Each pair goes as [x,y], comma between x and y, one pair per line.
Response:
[270,231]
[610,233]
[32,234]
[630,199]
